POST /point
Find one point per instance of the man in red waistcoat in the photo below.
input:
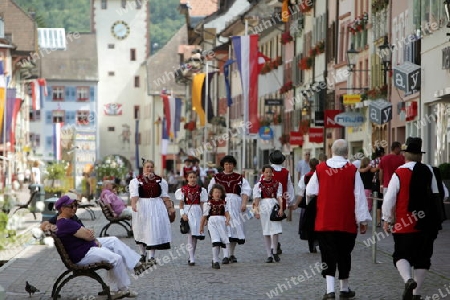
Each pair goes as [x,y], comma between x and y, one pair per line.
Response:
[341,207]
[411,210]
[282,175]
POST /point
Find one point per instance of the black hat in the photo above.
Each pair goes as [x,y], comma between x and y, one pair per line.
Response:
[276,157]
[379,151]
[414,145]
[228,159]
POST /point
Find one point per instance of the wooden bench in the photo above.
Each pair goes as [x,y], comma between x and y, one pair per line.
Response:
[122,221]
[74,270]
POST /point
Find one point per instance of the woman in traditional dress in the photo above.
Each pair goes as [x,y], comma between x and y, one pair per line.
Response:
[237,191]
[191,197]
[151,207]
[266,194]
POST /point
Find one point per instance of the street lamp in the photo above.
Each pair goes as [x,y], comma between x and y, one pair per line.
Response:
[386,57]
[352,53]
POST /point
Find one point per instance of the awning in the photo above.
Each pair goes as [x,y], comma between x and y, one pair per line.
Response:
[407,77]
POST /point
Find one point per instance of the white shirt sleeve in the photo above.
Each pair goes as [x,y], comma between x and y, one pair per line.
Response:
[290,190]
[203,195]
[134,188]
[301,186]
[211,183]
[390,198]
[246,189]
[179,195]
[164,188]
[361,208]
[256,191]
[445,192]
[206,208]
[312,189]
[280,190]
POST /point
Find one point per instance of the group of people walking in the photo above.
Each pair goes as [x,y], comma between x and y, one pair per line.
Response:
[335,208]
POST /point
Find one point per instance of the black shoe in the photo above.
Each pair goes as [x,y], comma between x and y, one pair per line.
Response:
[410,285]
[329,296]
[225,261]
[269,260]
[347,295]
[233,259]
[215,265]
[276,258]
[141,267]
[191,263]
[279,251]
[143,258]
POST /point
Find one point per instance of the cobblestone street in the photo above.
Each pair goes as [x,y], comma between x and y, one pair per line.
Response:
[296,276]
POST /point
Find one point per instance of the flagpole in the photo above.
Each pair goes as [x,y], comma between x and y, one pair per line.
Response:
[4,124]
[244,132]
[205,132]
[228,107]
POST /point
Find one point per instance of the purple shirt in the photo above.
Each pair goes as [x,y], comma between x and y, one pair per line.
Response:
[114,201]
[75,247]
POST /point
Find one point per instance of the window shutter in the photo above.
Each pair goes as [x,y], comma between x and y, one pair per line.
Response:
[48,117]
[49,94]
[92,93]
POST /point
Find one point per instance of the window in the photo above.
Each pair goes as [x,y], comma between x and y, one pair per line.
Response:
[58,116]
[82,93]
[136,112]
[58,93]
[124,3]
[35,139]
[110,46]
[111,73]
[111,128]
[83,117]
[133,54]
[35,115]
[136,81]
[104,4]
[138,4]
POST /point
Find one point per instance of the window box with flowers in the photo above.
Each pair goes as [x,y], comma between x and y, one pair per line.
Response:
[191,126]
[306,63]
[320,47]
[265,121]
[286,37]
[267,68]
[286,87]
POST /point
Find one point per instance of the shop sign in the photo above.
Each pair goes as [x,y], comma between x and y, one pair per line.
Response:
[349,119]
[380,111]
[266,133]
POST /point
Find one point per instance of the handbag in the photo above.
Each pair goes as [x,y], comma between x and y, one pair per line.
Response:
[274,214]
[184,225]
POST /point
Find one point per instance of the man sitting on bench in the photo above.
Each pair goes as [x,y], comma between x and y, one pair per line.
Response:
[83,248]
[114,202]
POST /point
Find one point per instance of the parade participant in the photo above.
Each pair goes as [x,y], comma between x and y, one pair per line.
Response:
[341,207]
[306,220]
[366,177]
[191,197]
[282,175]
[150,204]
[266,194]
[114,202]
[216,213]
[376,183]
[389,163]
[237,191]
[84,249]
[412,210]
[210,172]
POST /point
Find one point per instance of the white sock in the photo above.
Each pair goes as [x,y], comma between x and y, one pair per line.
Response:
[267,241]
[330,284]
[215,251]
[226,252]
[232,247]
[404,268]
[191,248]
[343,283]
[152,253]
[275,243]
[419,278]
[194,246]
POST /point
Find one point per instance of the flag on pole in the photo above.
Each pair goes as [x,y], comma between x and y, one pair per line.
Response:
[164,143]
[38,93]
[197,84]
[172,105]
[10,103]
[210,112]
[246,53]
[57,140]
[226,73]
[17,105]
[42,91]
[2,92]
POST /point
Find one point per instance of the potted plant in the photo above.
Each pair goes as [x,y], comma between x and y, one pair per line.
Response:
[55,182]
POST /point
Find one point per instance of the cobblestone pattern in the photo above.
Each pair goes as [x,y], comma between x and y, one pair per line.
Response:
[250,278]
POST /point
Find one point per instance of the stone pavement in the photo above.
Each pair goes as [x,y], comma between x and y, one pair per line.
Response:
[250,278]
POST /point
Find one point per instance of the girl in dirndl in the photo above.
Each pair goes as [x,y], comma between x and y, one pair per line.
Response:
[266,194]
[151,207]
[191,197]
[215,212]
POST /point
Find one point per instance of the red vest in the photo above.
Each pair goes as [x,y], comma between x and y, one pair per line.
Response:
[217,207]
[149,188]
[336,199]
[403,217]
[191,194]
[282,177]
[269,189]
[231,182]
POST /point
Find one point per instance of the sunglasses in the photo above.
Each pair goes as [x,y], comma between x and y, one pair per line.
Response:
[72,206]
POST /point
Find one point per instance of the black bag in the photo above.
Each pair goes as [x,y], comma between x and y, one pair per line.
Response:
[274,214]
[184,226]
